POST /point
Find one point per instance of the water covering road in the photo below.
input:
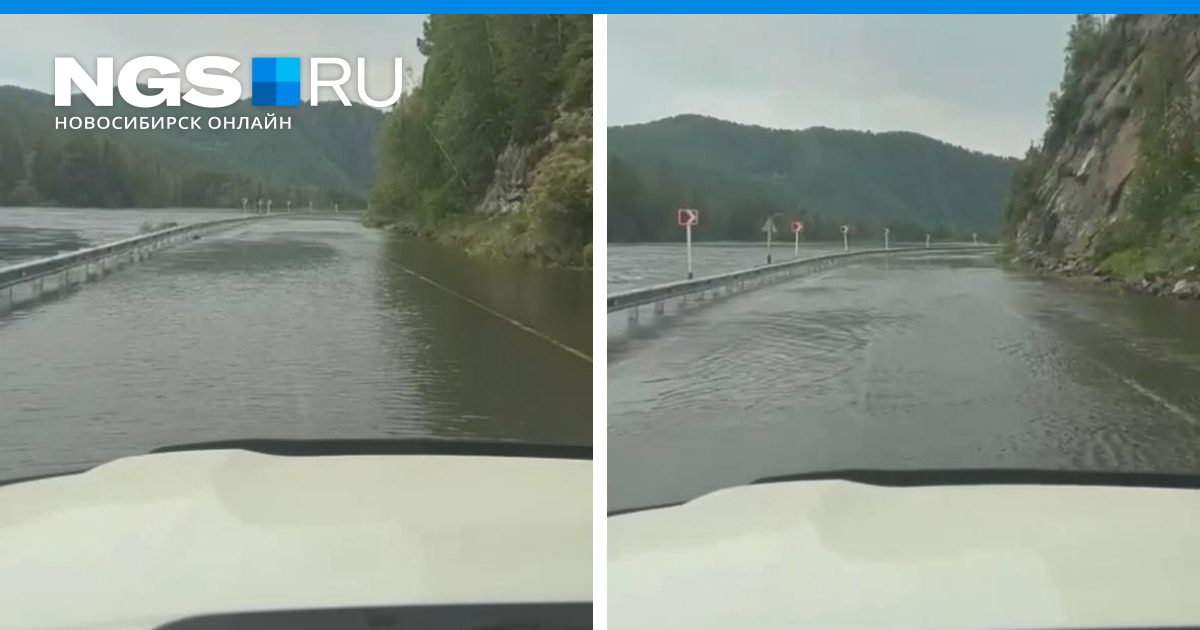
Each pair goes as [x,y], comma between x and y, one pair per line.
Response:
[944,360]
[287,328]
[636,266]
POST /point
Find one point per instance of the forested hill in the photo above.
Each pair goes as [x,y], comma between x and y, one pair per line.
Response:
[327,156]
[737,175]
[494,149]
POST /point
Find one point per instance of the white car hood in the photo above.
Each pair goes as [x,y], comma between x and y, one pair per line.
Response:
[146,540]
[835,554]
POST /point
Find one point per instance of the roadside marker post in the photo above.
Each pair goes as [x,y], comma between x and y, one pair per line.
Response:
[769,228]
[845,238]
[797,228]
[687,217]
[974,238]
[926,241]
[886,231]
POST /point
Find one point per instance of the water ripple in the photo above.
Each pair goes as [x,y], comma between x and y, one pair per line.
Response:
[945,361]
[291,329]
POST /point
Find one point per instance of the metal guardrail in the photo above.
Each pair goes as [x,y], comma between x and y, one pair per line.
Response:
[662,292]
[21,273]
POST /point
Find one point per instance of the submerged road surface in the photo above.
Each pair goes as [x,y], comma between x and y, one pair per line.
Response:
[944,361]
[290,328]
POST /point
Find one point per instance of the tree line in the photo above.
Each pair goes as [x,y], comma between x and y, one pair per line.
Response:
[739,175]
[44,165]
[501,96]
[80,169]
[644,204]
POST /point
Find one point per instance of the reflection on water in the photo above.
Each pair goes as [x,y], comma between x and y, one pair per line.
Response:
[30,233]
[18,243]
[490,364]
[634,266]
[289,328]
[541,299]
[937,361]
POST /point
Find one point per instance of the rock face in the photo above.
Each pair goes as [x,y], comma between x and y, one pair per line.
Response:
[1081,186]
[1186,289]
[516,164]
[514,168]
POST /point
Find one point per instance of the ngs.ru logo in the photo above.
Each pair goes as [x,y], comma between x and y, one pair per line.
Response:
[276,81]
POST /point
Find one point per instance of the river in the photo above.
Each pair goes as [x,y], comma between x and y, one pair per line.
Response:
[946,360]
[285,328]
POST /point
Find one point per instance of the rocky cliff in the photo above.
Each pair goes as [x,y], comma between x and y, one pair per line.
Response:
[1113,190]
[538,206]
[517,166]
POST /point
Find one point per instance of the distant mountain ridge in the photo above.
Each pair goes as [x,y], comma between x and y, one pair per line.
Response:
[739,174]
[329,151]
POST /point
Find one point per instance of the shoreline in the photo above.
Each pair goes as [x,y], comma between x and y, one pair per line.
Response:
[502,238]
[1180,285]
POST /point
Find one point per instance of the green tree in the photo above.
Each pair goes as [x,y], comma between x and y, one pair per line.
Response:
[329,151]
[12,157]
[736,175]
[22,194]
[495,87]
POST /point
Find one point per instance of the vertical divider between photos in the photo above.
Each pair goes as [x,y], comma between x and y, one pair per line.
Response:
[599,320]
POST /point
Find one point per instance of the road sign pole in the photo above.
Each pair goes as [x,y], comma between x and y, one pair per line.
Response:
[797,244]
[926,241]
[689,250]
[768,227]
[845,241]
[687,217]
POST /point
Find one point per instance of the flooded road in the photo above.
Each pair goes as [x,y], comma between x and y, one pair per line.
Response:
[936,361]
[286,328]
[636,266]
[31,233]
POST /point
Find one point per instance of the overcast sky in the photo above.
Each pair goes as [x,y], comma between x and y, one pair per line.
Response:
[29,44]
[977,81]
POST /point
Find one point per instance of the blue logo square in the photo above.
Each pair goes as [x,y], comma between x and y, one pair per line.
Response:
[287,69]
[263,69]
[287,93]
[276,81]
[263,93]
